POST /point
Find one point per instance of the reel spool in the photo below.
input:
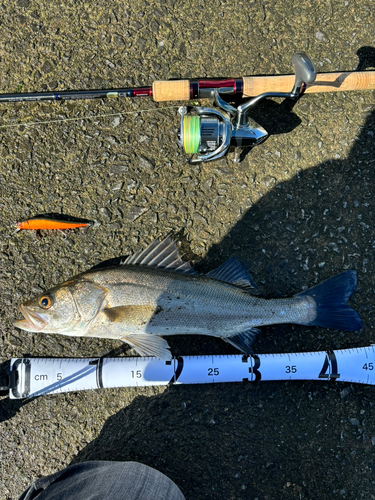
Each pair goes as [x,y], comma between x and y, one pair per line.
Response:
[208,134]
[200,134]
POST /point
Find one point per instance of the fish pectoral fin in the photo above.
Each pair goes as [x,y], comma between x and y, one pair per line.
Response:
[243,341]
[137,315]
[147,344]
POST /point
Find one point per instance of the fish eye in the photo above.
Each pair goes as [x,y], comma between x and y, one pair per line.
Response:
[45,302]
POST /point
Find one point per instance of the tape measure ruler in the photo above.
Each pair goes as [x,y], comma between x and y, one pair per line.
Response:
[30,377]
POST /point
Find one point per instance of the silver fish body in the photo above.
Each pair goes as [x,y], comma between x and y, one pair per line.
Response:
[155,293]
[146,300]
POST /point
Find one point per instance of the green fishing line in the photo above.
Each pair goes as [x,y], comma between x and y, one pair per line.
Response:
[191,134]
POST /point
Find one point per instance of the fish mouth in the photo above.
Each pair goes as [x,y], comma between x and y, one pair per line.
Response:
[33,322]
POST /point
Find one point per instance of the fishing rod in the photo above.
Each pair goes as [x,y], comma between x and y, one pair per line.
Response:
[31,377]
[206,134]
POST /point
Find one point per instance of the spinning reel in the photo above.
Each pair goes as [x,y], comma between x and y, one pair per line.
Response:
[209,133]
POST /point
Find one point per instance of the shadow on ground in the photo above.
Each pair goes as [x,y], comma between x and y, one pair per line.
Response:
[271,440]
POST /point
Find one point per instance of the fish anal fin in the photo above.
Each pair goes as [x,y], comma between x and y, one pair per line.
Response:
[147,344]
[243,341]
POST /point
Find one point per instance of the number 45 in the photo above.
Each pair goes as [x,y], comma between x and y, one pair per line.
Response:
[368,366]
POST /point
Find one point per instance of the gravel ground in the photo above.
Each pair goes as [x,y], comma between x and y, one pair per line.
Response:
[297,210]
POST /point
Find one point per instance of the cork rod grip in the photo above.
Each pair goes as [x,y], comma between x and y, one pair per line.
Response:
[173,90]
[325,82]
[179,90]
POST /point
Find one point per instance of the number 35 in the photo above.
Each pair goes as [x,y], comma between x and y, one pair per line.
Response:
[291,369]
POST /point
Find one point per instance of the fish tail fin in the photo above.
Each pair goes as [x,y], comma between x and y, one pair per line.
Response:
[332,309]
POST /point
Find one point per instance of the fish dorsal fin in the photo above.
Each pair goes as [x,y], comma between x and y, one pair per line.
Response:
[162,254]
[233,271]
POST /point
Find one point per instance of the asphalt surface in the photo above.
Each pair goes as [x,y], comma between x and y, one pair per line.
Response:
[298,209]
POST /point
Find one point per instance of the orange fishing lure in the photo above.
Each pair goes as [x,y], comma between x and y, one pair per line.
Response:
[52,221]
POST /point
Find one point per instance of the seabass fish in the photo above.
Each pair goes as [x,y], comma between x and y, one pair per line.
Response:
[154,292]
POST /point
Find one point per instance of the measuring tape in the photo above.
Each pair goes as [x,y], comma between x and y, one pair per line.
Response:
[30,377]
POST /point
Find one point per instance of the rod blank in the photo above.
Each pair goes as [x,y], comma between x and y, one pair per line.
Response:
[184,90]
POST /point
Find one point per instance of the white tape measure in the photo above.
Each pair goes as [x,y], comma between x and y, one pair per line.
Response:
[30,377]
